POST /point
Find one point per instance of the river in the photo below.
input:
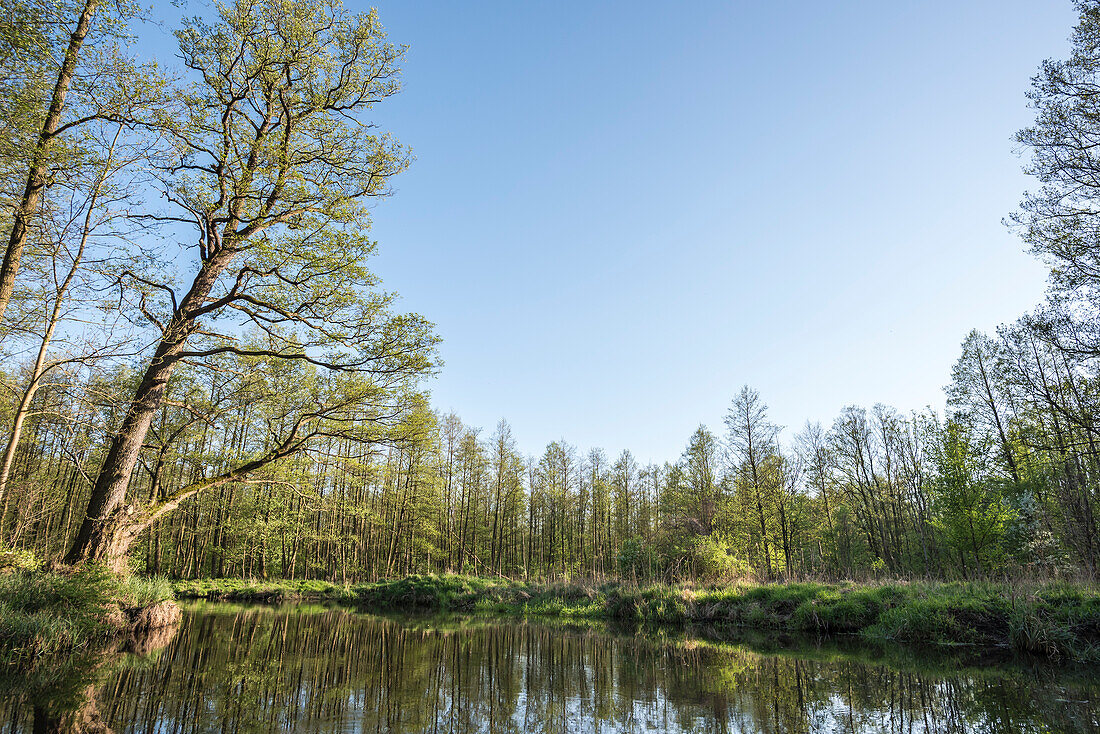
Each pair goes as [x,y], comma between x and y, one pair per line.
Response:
[312,668]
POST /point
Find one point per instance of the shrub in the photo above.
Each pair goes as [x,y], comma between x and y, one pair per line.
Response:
[637,560]
[712,560]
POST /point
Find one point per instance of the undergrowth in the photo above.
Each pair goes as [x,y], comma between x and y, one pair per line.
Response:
[44,612]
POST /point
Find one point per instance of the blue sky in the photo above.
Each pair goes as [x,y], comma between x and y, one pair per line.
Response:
[620,212]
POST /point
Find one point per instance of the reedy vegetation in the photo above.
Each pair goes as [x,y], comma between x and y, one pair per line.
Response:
[46,613]
[260,409]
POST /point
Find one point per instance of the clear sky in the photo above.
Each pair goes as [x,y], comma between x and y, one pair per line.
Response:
[620,212]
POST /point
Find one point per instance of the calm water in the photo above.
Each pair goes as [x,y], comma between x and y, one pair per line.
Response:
[312,669]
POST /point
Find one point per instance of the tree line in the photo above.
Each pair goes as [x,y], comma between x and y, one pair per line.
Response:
[205,379]
[1005,483]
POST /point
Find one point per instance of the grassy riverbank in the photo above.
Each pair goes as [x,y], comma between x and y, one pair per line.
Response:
[45,613]
[1055,620]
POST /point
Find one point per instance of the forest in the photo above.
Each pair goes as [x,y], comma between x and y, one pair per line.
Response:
[203,378]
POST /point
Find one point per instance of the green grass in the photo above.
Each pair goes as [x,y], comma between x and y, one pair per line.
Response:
[269,591]
[44,613]
[1056,620]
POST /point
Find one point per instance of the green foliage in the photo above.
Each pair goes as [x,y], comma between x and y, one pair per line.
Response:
[1057,219]
[711,560]
[18,560]
[970,510]
[845,608]
[637,559]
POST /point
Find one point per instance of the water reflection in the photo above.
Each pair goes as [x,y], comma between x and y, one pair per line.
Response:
[308,669]
[62,695]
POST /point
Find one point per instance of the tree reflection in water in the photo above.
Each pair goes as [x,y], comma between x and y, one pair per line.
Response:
[63,695]
[309,669]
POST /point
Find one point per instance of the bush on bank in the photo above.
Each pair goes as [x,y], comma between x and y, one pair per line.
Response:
[46,612]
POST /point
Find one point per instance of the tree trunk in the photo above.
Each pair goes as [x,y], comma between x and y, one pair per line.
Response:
[109,490]
[40,366]
[36,176]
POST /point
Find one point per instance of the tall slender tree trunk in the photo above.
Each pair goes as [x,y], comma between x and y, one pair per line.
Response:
[990,399]
[36,175]
[40,366]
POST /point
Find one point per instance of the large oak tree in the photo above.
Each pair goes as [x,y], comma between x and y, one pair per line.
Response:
[275,167]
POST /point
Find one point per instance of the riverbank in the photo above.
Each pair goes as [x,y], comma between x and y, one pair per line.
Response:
[1052,620]
[46,613]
